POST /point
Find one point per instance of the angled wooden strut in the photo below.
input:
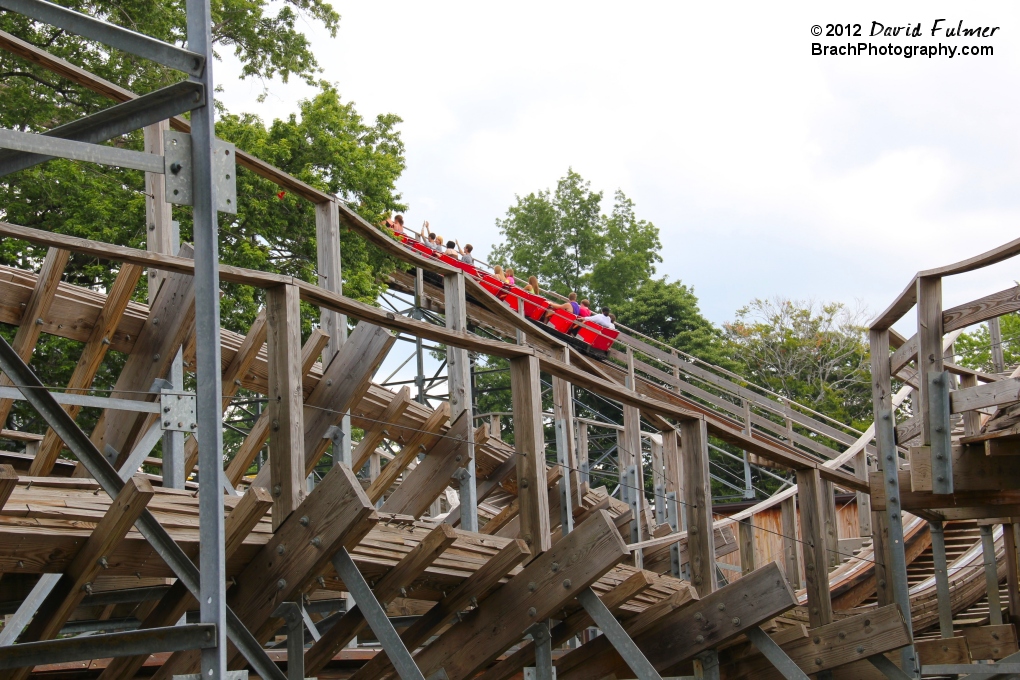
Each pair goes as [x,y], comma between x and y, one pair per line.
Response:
[688,631]
[539,590]
[232,376]
[388,587]
[90,560]
[476,587]
[432,475]
[170,319]
[344,382]
[176,602]
[91,359]
[37,308]
[375,435]
[420,442]
[336,513]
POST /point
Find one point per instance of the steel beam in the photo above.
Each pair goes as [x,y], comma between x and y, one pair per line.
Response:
[115,121]
[376,617]
[940,427]
[80,151]
[290,612]
[614,632]
[940,564]
[88,400]
[991,576]
[775,654]
[160,52]
[22,617]
[148,641]
[103,472]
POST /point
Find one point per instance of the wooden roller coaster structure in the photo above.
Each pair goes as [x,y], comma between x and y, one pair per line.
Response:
[431,548]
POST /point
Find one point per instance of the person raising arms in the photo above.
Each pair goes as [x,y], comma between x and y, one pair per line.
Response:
[465,253]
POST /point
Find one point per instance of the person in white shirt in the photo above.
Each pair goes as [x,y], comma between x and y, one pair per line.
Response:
[604,319]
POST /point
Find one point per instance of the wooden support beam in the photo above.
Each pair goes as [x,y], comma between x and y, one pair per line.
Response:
[636,584]
[529,446]
[379,431]
[343,383]
[476,587]
[1006,499]
[1012,583]
[424,484]
[745,531]
[983,309]
[8,482]
[930,354]
[422,441]
[698,501]
[400,576]
[86,565]
[36,310]
[252,507]
[233,375]
[91,359]
[170,319]
[991,642]
[336,513]
[974,397]
[854,638]
[535,594]
[816,563]
[830,524]
[791,551]
[284,407]
[703,625]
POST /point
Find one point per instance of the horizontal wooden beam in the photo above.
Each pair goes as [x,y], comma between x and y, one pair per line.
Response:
[984,396]
[982,309]
[925,500]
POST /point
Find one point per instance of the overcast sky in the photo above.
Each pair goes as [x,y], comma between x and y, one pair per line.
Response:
[768,171]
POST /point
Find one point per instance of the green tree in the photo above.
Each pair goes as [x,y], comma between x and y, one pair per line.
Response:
[564,239]
[974,348]
[668,311]
[814,354]
[326,144]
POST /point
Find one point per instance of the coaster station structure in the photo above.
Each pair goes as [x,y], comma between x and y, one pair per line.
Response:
[534,566]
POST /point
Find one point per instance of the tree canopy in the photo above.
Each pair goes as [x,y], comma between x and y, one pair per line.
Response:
[815,354]
[563,237]
[974,348]
[326,143]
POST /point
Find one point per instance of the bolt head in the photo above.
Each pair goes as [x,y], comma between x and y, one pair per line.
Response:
[566,583]
[699,639]
[532,611]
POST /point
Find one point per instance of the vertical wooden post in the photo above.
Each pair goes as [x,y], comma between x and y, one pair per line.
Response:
[458,367]
[327,243]
[582,458]
[285,404]
[816,564]
[1010,544]
[162,237]
[529,444]
[929,338]
[971,419]
[995,336]
[495,429]
[941,568]
[791,556]
[830,525]
[863,499]
[632,473]
[659,479]
[991,575]
[745,530]
[698,499]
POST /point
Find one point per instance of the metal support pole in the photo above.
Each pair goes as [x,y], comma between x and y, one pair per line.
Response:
[376,617]
[290,612]
[991,576]
[27,609]
[621,641]
[888,465]
[775,654]
[212,600]
[566,506]
[543,669]
[938,553]
[706,666]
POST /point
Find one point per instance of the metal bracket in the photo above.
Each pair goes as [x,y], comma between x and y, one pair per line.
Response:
[178,411]
[178,171]
[290,612]
[941,430]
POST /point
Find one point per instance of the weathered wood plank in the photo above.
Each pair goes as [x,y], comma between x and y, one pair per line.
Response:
[400,576]
[697,492]
[529,446]
[549,580]
[984,396]
[816,562]
[27,335]
[704,624]
[65,597]
[373,437]
[91,359]
[982,309]
[477,586]
[285,408]
[991,642]
[420,442]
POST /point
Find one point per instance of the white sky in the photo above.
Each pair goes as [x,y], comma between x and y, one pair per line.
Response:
[768,171]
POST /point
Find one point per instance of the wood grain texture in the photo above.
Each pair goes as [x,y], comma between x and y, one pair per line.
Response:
[529,445]
[538,591]
[284,407]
